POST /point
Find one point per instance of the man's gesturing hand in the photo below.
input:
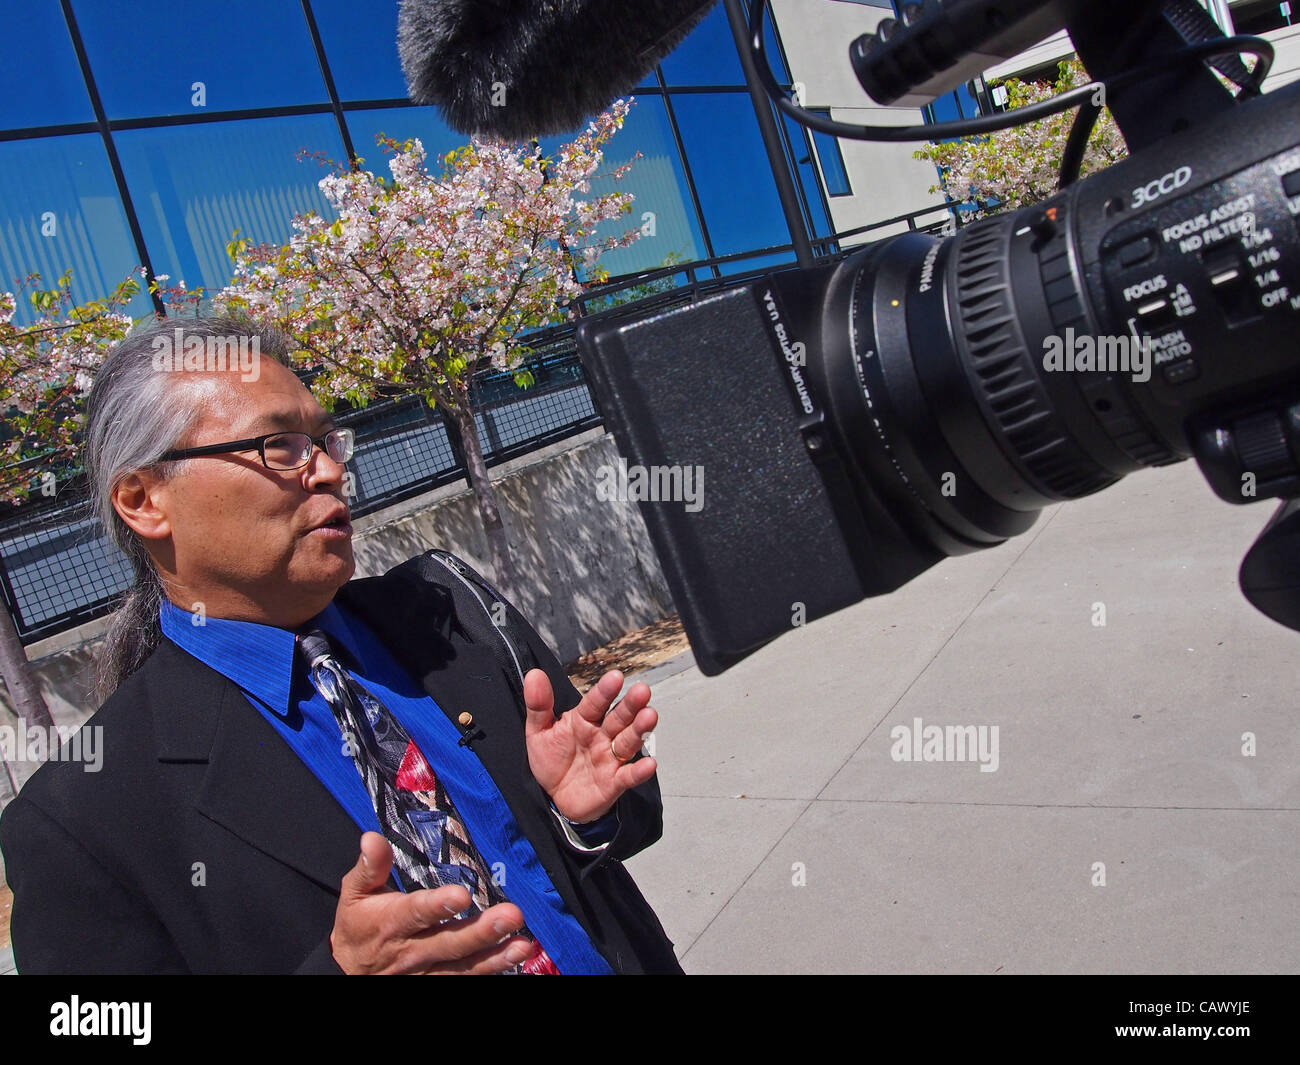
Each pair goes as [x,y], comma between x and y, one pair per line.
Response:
[378,930]
[582,759]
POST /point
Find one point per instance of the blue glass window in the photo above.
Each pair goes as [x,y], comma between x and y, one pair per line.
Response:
[661,207]
[148,58]
[772,50]
[61,212]
[732,174]
[970,105]
[834,173]
[40,80]
[360,42]
[944,108]
[193,186]
[400,123]
[707,57]
[815,208]
[953,106]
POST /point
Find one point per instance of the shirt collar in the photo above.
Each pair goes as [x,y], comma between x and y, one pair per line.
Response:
[224,645]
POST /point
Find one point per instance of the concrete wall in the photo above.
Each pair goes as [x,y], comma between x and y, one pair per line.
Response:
[1286,62]
[585,568]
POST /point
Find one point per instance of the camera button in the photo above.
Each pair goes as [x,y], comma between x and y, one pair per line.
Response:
[1137,251]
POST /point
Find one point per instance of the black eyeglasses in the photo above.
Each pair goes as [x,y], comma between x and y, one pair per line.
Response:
[279,451]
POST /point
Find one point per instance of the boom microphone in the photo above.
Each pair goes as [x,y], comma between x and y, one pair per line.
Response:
[517,69]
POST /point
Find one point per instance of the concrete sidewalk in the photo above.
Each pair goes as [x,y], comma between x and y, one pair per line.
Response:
[1124,829]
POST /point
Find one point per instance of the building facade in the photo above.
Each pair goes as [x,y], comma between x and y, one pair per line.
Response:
[144,136]
[149,136]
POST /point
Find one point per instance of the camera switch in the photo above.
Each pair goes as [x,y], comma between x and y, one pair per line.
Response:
[1156,312]
[1229,281]
[1137,251]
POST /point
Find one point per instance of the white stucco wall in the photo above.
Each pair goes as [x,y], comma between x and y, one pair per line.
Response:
[885,178]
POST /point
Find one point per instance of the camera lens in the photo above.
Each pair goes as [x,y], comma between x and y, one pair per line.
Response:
[932,363]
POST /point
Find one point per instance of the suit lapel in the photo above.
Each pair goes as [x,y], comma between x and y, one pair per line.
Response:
[412,619]
[253,785]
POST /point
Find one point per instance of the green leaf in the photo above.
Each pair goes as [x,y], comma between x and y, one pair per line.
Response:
[237,245]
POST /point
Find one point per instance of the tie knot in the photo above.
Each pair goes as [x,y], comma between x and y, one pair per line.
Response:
[315,647]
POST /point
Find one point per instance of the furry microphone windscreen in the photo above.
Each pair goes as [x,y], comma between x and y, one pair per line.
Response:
[516,69]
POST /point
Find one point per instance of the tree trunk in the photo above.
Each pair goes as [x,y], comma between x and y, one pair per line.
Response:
[24,693]
[485,494]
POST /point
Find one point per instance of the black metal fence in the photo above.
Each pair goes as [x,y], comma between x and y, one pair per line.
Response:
[58,569]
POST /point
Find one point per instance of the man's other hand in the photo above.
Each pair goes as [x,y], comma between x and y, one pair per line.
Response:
[379,930]
[583,759]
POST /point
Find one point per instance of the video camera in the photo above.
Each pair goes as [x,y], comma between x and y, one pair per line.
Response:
[922,397]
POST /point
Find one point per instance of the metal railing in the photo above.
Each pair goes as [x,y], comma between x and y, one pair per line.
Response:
[58,568]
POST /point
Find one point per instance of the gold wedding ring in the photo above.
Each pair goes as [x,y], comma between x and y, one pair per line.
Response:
[621,760]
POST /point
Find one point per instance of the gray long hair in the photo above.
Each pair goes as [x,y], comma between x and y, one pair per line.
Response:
[134,415]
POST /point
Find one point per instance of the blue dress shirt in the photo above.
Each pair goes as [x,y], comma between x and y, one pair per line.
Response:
[260,659]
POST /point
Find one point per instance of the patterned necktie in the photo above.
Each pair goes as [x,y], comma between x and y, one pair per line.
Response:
[431,845]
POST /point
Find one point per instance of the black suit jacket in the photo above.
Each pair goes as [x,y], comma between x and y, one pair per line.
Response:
[204,844]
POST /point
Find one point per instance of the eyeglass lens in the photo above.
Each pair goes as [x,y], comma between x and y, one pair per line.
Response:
[288,451]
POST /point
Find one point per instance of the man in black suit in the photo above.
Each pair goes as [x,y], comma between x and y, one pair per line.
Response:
[211,839]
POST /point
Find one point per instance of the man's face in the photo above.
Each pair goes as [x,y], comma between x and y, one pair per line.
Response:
[247,541]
